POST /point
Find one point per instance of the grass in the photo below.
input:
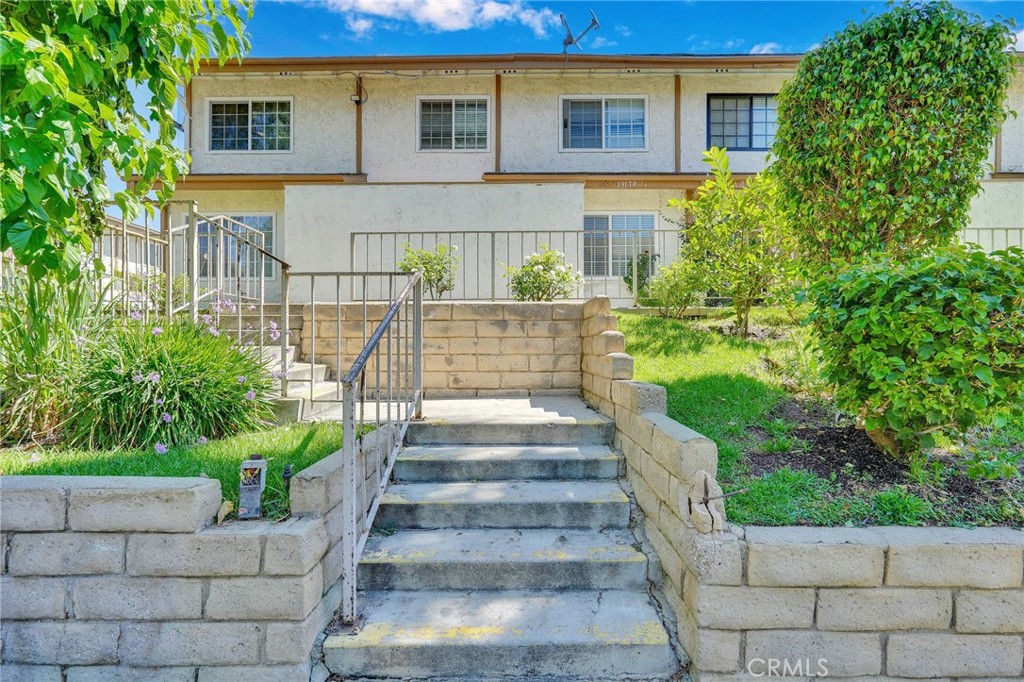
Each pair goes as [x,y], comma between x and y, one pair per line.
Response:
[722,387]
[297,444]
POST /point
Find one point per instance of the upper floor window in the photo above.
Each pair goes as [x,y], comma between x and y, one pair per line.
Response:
[604,122]
[251,125]
[453,123]
[742,121]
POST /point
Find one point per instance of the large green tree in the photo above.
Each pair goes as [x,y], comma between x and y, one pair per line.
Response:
[67,71]
[885,128]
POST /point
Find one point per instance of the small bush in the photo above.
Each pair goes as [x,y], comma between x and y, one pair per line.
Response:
[437,267]
[646,263]
[678,287]
[175,384]
[933,345]
[544,276]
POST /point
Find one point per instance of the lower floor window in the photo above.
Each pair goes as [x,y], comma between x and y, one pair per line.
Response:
[612,241]
[244,262]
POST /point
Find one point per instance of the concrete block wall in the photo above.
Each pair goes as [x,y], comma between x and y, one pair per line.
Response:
[129,579]
[469,349]
[867,603]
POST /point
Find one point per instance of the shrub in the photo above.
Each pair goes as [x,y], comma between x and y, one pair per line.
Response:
[437,267]
[741,237]
[43,323]
[884,129]
[645,266]
[544,276]
[931,345]
[166,384]
[678,287]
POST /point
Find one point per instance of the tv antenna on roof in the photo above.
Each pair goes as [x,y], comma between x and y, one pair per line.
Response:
[569,39]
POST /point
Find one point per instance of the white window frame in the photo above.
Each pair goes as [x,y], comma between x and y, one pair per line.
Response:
[453,98]
[609,214]
[274,231]
[249,100]
[602,98]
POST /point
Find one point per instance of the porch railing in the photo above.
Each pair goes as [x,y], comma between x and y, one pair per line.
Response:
[607,258]
[382,392]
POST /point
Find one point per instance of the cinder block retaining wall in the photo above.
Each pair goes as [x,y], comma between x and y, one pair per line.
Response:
[881,603]
[469,349]
[111,578]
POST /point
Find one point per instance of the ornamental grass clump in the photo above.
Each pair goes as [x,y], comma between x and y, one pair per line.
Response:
[926,346]
[165,384]
[544,276]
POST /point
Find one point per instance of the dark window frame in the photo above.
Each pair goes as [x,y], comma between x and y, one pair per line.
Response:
[750,135]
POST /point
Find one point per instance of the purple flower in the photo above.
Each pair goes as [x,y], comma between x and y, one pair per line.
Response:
[207,319]
[202,440]
[157,331]
[252,308]
[158,401]
[160,448]
[136,378]
[166,417]
[274,335]
[154,377]
[135,315]
[278,374]
[250,395]
[214,331]
[240,379]
[273,325]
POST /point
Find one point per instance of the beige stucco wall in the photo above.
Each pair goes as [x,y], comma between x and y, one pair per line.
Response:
[1013,130]
[390,130]
[323,124]
[532,123]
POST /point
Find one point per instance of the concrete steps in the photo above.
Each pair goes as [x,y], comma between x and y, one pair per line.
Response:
[575,635]
[551,420]
[495,463]
[502,559]
[503,553]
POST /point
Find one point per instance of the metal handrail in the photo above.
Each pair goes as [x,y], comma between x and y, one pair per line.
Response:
[357,465]
[360,362]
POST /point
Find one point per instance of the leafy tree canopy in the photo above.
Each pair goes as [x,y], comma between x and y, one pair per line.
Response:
[68,112]
[885,127]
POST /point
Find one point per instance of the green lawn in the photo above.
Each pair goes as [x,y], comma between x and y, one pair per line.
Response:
[297,444]
[722,387]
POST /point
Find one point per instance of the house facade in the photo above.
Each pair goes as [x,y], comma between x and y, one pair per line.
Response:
[342,161]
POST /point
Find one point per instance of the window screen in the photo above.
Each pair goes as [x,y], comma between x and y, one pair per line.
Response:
[605,123]
[741,121]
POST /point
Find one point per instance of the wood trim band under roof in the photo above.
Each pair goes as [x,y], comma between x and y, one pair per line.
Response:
[613,180]
[265,181]
[485,62]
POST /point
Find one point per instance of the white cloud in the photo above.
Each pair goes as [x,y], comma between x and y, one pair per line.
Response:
[766,48]
[814,46]
[704,44]
[601,41]
[1019,42]
[623,30]
[358,26]
[442,15]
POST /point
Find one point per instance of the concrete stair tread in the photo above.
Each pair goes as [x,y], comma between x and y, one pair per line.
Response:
[488,453]
[490,545]
[536,411]
[493,492]
[502,462]
[581,634]
[541,420]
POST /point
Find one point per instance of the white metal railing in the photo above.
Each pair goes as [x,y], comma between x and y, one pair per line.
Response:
[606,258]
[993,238]
[391,363]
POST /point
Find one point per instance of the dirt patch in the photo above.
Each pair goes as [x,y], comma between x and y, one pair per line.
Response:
[754,332]
[809,413]
[844,450]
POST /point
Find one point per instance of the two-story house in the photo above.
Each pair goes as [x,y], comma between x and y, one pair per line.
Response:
[338,159]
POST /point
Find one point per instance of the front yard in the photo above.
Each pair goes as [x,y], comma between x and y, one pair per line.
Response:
[799,462]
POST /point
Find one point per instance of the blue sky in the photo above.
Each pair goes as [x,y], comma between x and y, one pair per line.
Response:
[363,27]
